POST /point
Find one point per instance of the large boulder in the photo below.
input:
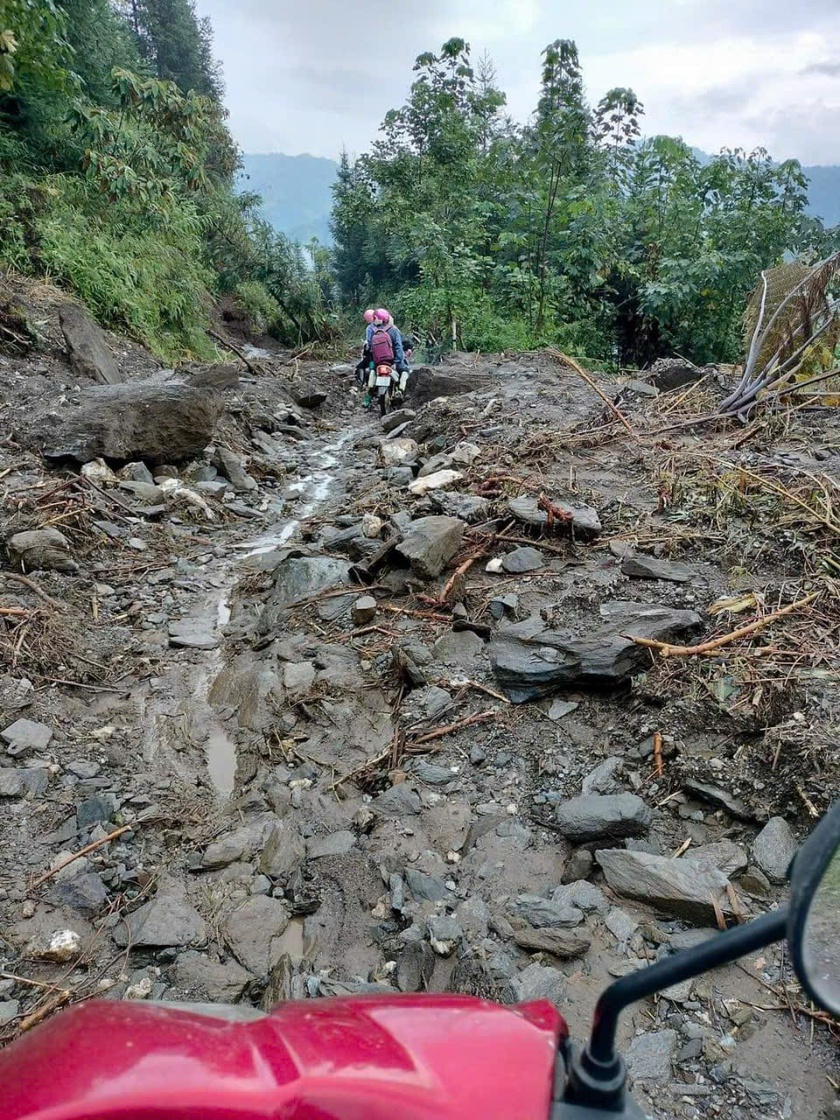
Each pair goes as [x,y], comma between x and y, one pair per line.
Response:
[86,346]
[156,421]
[681,888]
[530,661]
[430,543]
[428,384]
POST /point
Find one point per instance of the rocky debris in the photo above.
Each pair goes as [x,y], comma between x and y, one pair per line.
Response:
[298,578]
[523,560]
[9,1011]
[193,633]
[621,925]
[150,495]
[158,422]
[96,810]
[586,896]
[539,981]
[430,543]
[596,817]
[579,866]
[564,944]
[15,693]
[25,736]
[298,677]
[308,396]
[397,418]
[648,567]
[415,967]
[284,850]
[507,606]
[168,920]
[372,526]
[586,524]
[426,888]
[240,844]
[59,947]
[465,453]
[364,610]
[434,465]
[231,466]
[41,549]
[437,481]
[544,913]
[603,778]
[83,891]
[205,979]
[395,452]
[427,384]
[87,349]
[252,932]
[679,887]
[650,1055]
[774,848]
[460,648]
[530,660]
[673,373]
[467,507]
[23,781]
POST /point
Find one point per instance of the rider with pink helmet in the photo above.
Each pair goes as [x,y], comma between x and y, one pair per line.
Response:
[383,322]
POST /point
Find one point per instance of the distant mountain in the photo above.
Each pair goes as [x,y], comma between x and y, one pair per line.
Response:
[295,192]
[297,198]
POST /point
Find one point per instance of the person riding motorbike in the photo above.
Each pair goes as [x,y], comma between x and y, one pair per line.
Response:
[384,343]
[362,368]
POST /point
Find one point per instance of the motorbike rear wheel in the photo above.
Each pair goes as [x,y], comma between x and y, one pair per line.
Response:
[384,400]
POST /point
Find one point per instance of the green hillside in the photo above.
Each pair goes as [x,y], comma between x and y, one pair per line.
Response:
[295,192]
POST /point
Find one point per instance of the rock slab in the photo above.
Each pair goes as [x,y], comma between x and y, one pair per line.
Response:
[87,349]
[609,817]
[679,887]
[430,543]
[41,550]
[774,848]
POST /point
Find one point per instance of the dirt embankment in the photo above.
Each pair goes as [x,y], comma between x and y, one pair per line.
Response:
[331,708]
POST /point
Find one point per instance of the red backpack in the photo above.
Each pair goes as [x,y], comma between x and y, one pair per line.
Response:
[382,347]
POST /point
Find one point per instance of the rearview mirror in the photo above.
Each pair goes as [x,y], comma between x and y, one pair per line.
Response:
[814,928]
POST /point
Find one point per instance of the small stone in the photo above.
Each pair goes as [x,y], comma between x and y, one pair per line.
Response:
[437,481]
[538,982]
[523,560]
[753,881]
[543,913]
[719,796]
[586,896]
[444,934]
[560,709]
[136,472]
[253,933]
[395,419]
[62,946]
[298,677]
[430,543]
[24,735]
[364,610]
[141,990]
[84,892]
[9,1011]
[167,920]
[44,549]
[137,543]
[335,844]
[151,495]
[580,865]
[205,979]
[621,925]
[596,817]
[96,810]
[23,781]
[426,888]
[725,855]
[508,606]
[415,967]
[372,526]
[396,452]
[564,944]
[678,887]
[649,1056]
[193,633]
[231,467]
[602,779]
[398,801]
[774,848]
[647,567]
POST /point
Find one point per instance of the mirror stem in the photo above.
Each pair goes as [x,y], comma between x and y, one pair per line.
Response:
[723,949]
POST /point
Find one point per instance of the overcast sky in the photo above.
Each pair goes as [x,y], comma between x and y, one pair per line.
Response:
[319,75]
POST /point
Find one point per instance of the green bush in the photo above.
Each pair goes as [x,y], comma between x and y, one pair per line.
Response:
[259,305]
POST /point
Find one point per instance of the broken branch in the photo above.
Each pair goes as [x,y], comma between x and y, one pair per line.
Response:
[82,852]
[451,728]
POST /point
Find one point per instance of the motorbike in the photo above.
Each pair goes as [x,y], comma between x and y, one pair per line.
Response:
[387,383]
[416,1057]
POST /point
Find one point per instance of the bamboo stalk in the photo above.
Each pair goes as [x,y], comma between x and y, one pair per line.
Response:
[616,411]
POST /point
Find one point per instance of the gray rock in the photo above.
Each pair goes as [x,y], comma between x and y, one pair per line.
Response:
[458,647]
[83,768]
[559,708]
[193,633]
[159,422]
[15,693]
[204,979]
[506,606]
[755,883]
[539,981]
[467,507]
[678,887]
[364,610]
[586,896]
[673,373]
[395,419]
[415,967]
[621,925]
[215,489]
[426,888]
[253,932]
[444,934]
[230,465]
[473,916]
[335,844]
[298,578]
[84,892]
[98,809]
[648,567]
[523,560]
[151,495]
[774,848]
[530,661]
[433,465]
[602,779]
[610,817]
[430,543]
[136,472]
[23,781]
[41,549]
[691,938]
[398,801]
[716,795]
[167,920]
[725,855]
[586,525]
[579,867]
[542,913]
[9,1010]
[410,658]
[87,349]
[431,774]
[308,396]
[298,677]
[240,844]
[564,944]
[649,1056]
[284,850]
[25,735]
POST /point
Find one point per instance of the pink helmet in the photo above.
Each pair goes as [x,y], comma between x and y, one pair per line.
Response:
[383,315]
[369,315]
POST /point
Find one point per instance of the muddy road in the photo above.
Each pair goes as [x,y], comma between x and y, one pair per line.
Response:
[336,709]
